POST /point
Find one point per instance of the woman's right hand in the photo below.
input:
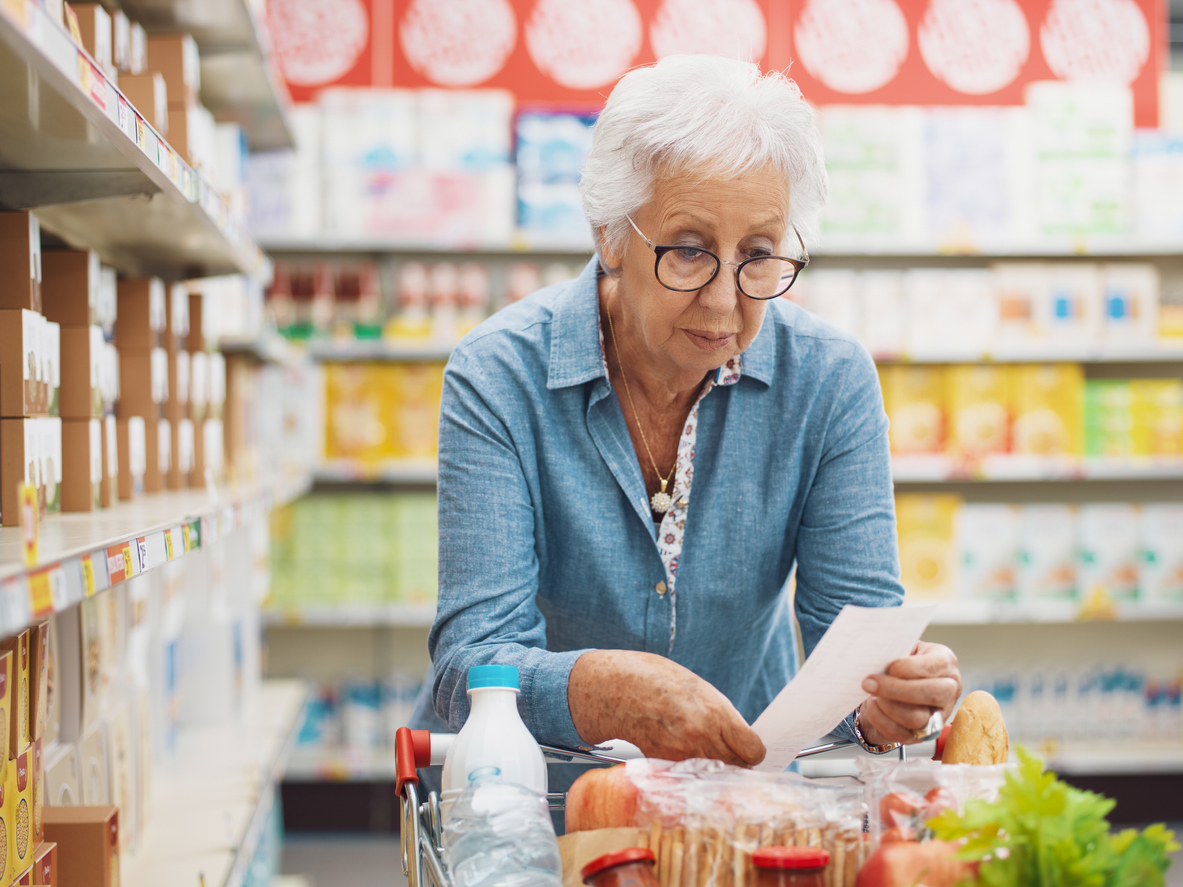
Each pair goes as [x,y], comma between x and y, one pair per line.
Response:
[661,707]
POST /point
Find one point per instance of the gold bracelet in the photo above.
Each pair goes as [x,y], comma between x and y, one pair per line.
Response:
[862,740]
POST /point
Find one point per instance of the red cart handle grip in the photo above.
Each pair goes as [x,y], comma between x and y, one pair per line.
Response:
[940,749]
[412,749]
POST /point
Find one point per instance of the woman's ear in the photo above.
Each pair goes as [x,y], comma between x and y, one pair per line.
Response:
[610,260]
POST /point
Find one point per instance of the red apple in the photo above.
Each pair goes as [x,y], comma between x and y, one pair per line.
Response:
[905,864]
[601,799]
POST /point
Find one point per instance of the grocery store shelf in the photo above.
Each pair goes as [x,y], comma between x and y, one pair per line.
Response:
[341,471]
[378,350]
[98,175]
[1114,759]
[330,246]
[944,469]
[211,798]
[82,554]
[1166,351]
[267,348]
[320,764]
[239,81]
[352,615]
[1009,612]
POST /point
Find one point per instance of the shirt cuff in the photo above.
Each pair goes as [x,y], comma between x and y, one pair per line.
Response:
[547,711]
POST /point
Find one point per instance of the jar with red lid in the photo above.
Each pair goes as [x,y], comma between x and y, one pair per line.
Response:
[624,868]
[791,866]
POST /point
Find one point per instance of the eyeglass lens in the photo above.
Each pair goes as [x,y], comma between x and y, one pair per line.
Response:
[690,269]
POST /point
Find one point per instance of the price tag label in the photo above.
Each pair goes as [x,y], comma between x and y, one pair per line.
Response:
[185,538]
[88,576]
[59,596]
[40,593]
[142,552]
[115,564]
[168,544]
[128,569]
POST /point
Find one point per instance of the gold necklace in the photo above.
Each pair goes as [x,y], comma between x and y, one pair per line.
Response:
[661,501]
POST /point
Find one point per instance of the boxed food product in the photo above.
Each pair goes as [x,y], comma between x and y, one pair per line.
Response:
[928,544]
[38,802]
[83,350]
[20,257]
[196,340]
[217,384]
[149,95]
[132,448]
[51,454]
[87,841]
[20,462]
[198,385]
[142,314]
[53,362]
[158,455]
[53,698]
[143,383]
[19,795]
[1108,551]
[1047,551]
[20,346]
[6,702]
[121,43]
[1108,418]
[122,770]
[63,778]
[18,719]
[110,483]
[1131,299]
[1020,287]
[45,864]
[987,542]
[82,465]
[916,395]
[108,308]
[71,281]
[179,372]
[109,378]
[138,44]
[979,409]
[184,446]
[1162,551]
[1068,312]
[7,836]
[1157,417]
[1048,405]
[25,877]
[38,679]
[94,765]
[94,24]
[175,57]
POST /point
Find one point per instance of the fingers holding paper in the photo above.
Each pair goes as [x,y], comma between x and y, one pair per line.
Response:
[903,698]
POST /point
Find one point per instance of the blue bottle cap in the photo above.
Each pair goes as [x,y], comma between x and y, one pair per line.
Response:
[480,676]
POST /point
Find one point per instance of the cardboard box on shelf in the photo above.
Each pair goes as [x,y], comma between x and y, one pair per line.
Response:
[142,314]
[83,352]
[213,452]
[25,877]
[21,365]
[175,56]
[38,803]
[1048,407]
[132,447]
[121,43]
[1162,551]
[94,24]
[53,698]
[183,453]
[176,334]
[109,377]
[87,841]
[94,763]
[20,257]
[143,383]
[198,385]
[18,719]
[979,409]
[63,777]
[196,341]
[52,339]
[7,836]
[82,464]
[122,769]
[987,539]
[915,397]
[138,45]
[179,385]
[1108,418]
[51,455]
[158,455]
[149,94]
[108,308]
[19,794]
[109,488]
[71,282]
[45,864]
[1109,549]
[38,679]
[6,700]
[927,534]
[20,462]
[1157,417]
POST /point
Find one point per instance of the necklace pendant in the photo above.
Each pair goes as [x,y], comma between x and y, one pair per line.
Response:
[661,501]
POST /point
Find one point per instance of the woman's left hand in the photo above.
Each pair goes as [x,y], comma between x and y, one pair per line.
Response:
[903,698]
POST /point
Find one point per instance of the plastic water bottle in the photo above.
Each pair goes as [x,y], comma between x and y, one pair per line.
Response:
[493,736]
[498,834]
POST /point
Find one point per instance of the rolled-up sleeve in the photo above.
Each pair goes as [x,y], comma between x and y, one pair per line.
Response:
[846,544]
[488,565]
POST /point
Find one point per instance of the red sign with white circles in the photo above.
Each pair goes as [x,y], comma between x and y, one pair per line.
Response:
[571,52]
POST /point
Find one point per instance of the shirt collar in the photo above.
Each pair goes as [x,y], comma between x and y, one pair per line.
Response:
[576,346]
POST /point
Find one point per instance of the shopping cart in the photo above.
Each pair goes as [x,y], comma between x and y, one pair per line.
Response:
[421,822]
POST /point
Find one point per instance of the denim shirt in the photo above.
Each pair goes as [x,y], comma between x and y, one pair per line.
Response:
[548,548]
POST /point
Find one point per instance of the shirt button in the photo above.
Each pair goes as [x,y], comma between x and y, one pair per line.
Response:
[661,588]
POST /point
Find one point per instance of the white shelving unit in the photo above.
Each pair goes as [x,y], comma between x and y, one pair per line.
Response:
[95,171]
[210,802]
[353,616]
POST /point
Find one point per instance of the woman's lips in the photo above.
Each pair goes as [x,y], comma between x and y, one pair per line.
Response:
[708,341]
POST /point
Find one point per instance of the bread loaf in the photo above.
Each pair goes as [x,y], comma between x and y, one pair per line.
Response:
[978,734]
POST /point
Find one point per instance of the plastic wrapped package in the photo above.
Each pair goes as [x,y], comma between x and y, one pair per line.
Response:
[901,797]
[703,820]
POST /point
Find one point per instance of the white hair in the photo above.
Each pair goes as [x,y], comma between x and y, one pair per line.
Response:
[705,113]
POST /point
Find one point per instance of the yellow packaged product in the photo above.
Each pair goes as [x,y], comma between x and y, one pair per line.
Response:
[927,525]
[916,397]
[1158,417]
[18,715]
[1048,409]
[416,409]
[23,843]
[357,412]
[6,661]
[979,409]
[7,791]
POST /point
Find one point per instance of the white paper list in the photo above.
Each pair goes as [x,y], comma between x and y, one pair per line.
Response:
[861,641]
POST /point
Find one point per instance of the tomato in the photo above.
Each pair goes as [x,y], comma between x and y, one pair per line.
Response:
[900,809]
[937,801]
[933,863]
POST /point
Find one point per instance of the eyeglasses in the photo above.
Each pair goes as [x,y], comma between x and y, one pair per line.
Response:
[684,269]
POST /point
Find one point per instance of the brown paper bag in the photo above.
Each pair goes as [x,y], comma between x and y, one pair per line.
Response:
[579,848]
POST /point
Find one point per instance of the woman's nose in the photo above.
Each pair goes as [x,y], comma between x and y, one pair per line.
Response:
[722,293]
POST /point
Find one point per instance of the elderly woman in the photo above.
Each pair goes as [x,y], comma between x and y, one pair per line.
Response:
[632,463]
